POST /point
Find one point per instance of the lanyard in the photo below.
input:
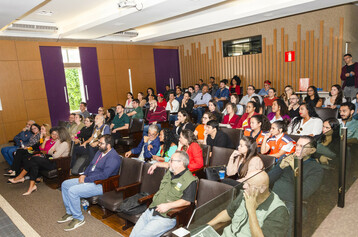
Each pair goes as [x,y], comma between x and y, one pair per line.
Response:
[98,159]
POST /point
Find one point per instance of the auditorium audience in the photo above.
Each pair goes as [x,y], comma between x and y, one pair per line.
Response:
[83,110]
[276,143]
[173,107]
[154,221]
[349,76]
[196,91]
[142,100]
[178,94]
[235,100]
[109,116]
[212,81]
[201,101]
[221,95]
[155,114]
[106,163]
[76,126]
[265,91]
[150,92]
[244,121]
[187,104]
[137,111]
[86,132]
[270,97]
[215,137]
[335,98]
[21,139]
[200,128]
[235,86]
[286,95]
[168,145]
[259,106]
[294,106]
[188,144]
[279,111]
[250,93]
[313,97]
[259,126]
[355,102]
[120,122]
[128,105]
[201,84]
[71,120]
[148,146]
[231,118]
[166,92]
[346,111]
[183,122]
[308,123]
[161,101]
[328,143]
[214,109]
[102,111]
[256,197]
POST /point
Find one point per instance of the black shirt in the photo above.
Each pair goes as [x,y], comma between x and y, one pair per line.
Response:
[85,133]
[350,79]
[217,116]
[189,106]
[221,140]
[177,130]
[294,113]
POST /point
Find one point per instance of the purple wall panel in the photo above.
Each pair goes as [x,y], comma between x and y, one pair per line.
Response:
[90,72]
[55,82]
[166,62]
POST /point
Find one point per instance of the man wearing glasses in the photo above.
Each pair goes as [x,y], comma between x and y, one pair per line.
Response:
[105,164]
[177,189]
[294,107]
[250,93]
[282,175]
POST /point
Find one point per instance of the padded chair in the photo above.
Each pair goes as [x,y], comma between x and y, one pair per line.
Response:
[209,190]
[165,124]
[325,113]
[134,134]
[220,156]
[294,137]
[149,184]
[235,135]
[62,170]
[206,156]
[268,110]
[130,174]
[269,161]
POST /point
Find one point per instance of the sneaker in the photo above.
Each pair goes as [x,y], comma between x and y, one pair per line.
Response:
[74,224]
[65,218]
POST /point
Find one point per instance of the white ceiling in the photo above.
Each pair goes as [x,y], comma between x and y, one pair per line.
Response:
[155,20]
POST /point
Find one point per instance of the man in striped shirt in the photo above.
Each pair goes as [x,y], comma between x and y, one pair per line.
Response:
[155,114]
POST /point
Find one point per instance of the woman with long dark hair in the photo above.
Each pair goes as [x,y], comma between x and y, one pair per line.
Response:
[235,86]
[183,122]
[244,121]
[168,145]
[259,107]
[308,123]
[109,116]
[335,97]
[214,109]
[287,94]
[259,126]
[313,97]
[150,92]
[328,142]
[245,160]
[279,111]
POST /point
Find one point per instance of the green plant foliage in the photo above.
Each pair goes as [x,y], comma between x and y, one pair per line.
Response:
[73,88]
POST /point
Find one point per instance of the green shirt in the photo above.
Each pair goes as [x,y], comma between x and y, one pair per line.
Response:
[120,122]
[139,113]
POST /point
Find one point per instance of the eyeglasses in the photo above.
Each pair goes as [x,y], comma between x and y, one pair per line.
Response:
[298,131]
[172,160]
[101,143]
[152,134]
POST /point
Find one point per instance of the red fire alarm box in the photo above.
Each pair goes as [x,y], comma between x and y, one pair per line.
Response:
[290,56]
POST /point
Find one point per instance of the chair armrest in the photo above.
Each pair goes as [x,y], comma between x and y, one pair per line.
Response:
[147,199]
[177,211]
[62,163]
[109,184]
[129,190]
[182,214]
[123,188]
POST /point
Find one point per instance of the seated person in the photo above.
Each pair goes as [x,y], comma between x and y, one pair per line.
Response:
[215,137]
[187,104]
[244,121]
[266,90]
[188,144]
[286,95]
[346,111]
[76,126]
[276,143]
[335,98]
[155,114]
[168,145]
[109,116]
[250,94]
[235,86]
[313,97]
[150,92]
[282,175]
[167,91]
[259,126]
[195,92]
[173,107]
[161,101]
[101,111]
[244,161]
[83,110]
[260,107]
[128,106]
[137,112]
[200,128]
[271,97]
[214,85]
[214,109]
[235,100]
[120,122]
[183,122]
[71,120]
[201,100]
[231,118]
[178,94]
[86,132]
[308,123]
[328,143]
[154,221]
[242,212]
[355,102]
[105,164]
[142,100]
[221,94]
[149,145]
[279,111]
[294,106]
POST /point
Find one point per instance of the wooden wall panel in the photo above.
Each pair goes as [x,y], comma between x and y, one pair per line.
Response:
[34,89]
[104,52]
[28,50]
[31,70]
[7,50]
[37,108]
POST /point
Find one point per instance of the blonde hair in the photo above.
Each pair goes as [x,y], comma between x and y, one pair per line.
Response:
[48,128]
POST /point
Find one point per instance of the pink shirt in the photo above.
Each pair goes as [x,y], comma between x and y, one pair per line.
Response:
[48,145]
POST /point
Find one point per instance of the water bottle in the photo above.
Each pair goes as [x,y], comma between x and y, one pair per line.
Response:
[22,144]
[85,204]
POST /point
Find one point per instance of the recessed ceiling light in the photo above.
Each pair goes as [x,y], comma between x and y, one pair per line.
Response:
[44,13]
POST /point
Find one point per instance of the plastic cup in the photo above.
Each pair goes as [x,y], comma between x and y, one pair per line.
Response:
[222,174]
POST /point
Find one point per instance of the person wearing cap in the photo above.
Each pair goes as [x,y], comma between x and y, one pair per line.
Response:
[161,101]
[264,91]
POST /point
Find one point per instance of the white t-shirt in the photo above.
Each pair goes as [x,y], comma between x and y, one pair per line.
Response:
[175,106]
[327,102]
[312,126]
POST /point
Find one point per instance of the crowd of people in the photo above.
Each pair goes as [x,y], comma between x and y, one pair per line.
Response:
[195,116]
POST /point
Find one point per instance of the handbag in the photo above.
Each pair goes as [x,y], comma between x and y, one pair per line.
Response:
[212,173]
[131,206]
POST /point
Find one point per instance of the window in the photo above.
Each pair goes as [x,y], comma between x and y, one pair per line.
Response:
[243,46]
[74,80]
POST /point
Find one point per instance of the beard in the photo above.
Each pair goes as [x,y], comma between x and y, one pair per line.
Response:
[104,150]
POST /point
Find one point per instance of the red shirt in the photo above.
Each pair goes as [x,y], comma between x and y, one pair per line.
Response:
[268,102]
[162,104]
[195,153]
[233,121]
[237,90]
[244,122]
[159,115]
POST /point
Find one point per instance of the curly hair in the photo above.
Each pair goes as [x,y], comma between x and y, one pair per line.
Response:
[311,113]
[188,135]
[169,138]
[265,122]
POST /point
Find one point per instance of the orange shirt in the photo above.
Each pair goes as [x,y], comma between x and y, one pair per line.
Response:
[200,129]
[284,142]
[259,137]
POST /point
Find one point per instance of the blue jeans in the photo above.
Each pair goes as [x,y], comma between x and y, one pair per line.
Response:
[149,225]
[173,118]
[146,128]
[220,104]
[73,191]
[7,152]
[198,112]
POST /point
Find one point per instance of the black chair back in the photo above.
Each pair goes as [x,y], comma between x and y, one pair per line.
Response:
[130,172]
[268,161]
[325,113]
[209,190]
[206,154]
[151,182]
[235,135]
[220,156]
[137,125]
